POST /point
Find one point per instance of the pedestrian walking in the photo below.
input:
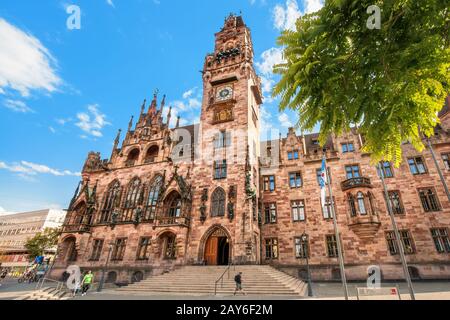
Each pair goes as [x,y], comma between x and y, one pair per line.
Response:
[238,281]
[86,283]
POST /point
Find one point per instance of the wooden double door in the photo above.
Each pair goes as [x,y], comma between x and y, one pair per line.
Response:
[217,251]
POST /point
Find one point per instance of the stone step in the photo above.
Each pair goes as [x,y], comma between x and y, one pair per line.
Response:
[211,292]
[261,280]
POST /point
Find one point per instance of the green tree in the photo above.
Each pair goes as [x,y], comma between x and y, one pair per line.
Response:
[391,81]
[42,242]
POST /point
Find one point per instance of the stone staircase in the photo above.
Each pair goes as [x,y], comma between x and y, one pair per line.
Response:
[262,280]
[46,294]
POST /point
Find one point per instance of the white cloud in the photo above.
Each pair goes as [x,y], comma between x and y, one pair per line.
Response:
[25,64]
[92,122]
[26,169]
[52,130]
[63,121]
[111,3]
[269,58]
[17,106]
[189,93]
[285,16]
[313,5]
[284,120]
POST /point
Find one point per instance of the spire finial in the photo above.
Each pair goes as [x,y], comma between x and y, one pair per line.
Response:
[169,115]
[130,124]
[116,141]
[163,102]
[152,109]
[143,106]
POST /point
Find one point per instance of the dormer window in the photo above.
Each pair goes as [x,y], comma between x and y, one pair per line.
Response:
[348,147]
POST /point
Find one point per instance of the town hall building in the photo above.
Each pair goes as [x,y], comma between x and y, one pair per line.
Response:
[213,194]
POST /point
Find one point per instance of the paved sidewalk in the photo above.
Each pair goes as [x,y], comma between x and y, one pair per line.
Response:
[11,289]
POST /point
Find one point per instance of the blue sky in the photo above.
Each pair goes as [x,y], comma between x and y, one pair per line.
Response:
[66,92]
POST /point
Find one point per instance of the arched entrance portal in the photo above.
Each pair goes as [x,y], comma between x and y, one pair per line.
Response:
[217,248]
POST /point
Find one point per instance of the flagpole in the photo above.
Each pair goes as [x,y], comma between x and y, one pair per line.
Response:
[397,234]
[336,230]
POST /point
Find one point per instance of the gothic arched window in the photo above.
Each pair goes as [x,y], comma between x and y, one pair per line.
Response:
[218,203]
[152,200]
[351,204]
[132,199]
[112,200]
[174,205]
[361,203]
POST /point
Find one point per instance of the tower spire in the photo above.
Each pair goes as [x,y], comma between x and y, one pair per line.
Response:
[143,106]
[178,122]
[130,124]
[169,116]
[163,102]
[116,142]
[152,109]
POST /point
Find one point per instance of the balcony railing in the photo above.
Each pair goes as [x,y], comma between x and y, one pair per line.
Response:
[76,228]
[172,221]
[356,183]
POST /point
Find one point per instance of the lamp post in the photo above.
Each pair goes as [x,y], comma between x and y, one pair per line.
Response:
[304,238]
[102,279]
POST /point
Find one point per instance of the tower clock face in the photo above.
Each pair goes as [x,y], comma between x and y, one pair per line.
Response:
[224,93]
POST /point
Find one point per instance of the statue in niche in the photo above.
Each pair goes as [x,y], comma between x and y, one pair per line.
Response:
[230,208]
[114,217]
[137,215]
[202,213]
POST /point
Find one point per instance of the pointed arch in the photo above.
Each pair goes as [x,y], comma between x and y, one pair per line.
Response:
[361,203]
[351,204]
[68,249]
[173,204]
[111,201]
[218,202]
[153,197]
[167,242]
[132,199]
[215,230]
[79,213]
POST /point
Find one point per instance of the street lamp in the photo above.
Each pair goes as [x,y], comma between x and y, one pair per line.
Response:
[102,279]
[304,238]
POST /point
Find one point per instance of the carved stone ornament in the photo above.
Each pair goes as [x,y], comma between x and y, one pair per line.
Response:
[230,209]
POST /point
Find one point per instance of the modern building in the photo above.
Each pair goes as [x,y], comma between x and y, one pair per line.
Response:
[16,229]
[212,193]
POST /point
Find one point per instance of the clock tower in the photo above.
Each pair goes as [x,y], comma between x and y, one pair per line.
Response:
[228,150]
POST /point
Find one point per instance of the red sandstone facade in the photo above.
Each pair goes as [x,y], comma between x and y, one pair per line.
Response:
[213,194]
